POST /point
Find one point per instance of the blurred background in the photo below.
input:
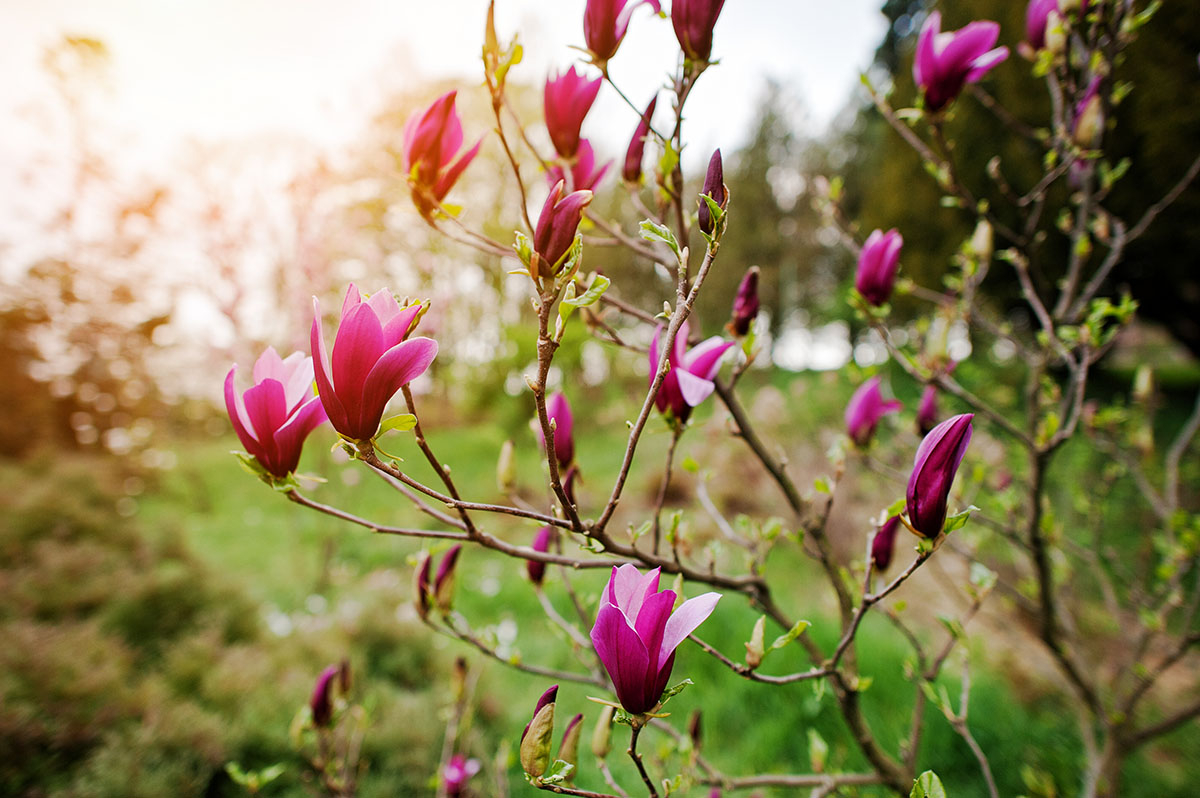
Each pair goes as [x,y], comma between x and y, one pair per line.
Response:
[179,178]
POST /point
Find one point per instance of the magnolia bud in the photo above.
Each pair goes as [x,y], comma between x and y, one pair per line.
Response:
[1056,33]
[602,734]
[694,729]
[321,702]
[1089,117]
[1143,383]
[745,304]
[714,186]
[506,468]
[443,586]
[421,586]
[754,649]
[538,734]
[541,542]
[982,240]
[568,751]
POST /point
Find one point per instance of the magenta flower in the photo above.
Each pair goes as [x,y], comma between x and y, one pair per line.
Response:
[1037,15]
[566,101]
[559,411]
[927,411]
[945,62]
[877,265]
[371,360]
[690,379]
[884,543]
[636,634]
[432,141]
[864,410]
[745,304]
[321,702]
[936,464]
[457,772]
[714,186]
[583,175]
[632,171]
[605,23]
[541,542]
[273,417]
[556,228]
[693,21]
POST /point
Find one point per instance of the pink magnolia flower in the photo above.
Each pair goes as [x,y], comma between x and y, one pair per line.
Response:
[583,175]
[877,265]
[273,417]
[371,360]
[693,21]
[1037,15]
[559,411]
[632,171]
[936,464]
[864,410]
[636,634]
[945,62]
[690,379]
[457,772]
[432,141]
[556,227]
[605,23]
[566,101]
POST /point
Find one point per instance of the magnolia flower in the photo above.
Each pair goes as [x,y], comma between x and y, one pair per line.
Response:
[541,542]
[273,417]
[559,411]
[1037,17]
[556,227]
[864,410]
[604,25]
[934,469]
[632,171]
[690,378]
[457,772]
[714,186]
[371,360]
[885,543]
[583,175]
[432,141]
[636,634]
[945,62]
[745,304]
[877,265]
[693,21]
[566,100]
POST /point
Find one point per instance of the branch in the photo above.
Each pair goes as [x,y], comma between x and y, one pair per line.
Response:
[746,672]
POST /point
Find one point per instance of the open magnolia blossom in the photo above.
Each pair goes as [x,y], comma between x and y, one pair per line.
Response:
[690,379]
[274,416]
[372,359]
[432,141]
[946,62]
[636,634]
[864,410]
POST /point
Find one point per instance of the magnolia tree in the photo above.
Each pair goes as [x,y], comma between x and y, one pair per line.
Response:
[628,631]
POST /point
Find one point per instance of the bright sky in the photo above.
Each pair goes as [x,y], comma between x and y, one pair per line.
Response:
[215,69]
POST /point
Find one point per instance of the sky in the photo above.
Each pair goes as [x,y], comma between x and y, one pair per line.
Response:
[213,70]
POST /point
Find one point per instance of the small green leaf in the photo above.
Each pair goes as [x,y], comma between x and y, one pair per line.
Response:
[928,785]
[959,519]
[689,465]
[671,692]
[790,635]
[897,507]
[401,423]
[821,485]
[599,285]
[652,231]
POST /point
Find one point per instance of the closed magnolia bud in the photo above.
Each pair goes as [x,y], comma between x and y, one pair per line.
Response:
[506,468]
[443,585]
[632,171]
[1056,34]
[1143,383]
[695,729]
[745,304]
[714,186]
[538,734]
[321,702]
[602,734]
[884,543]
[1089,117]
[541,542]
[568,750]
[877,265]
[556,228]
[937,461]
[421,586]
[982,240]
[754,649]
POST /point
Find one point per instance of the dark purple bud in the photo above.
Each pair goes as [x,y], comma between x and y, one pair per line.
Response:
[556,227]
[322,697]
[568,749]
[885,543]
[877,264]
[936,464]
[714,186]
[637,146]
[344,678]
[541,542]
[422,586]
[745,304]
[693,21]
[443,584]
[927,411]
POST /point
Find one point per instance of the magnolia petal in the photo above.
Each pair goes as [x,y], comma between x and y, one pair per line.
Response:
[384,305]
[448,178]
[239,419]
[400,325]
[624,657]
[267,409]
[693,389]
[690,615]
[397,366]
[651,622]
[926,54]
[321,373]
[352,298]
[356,350]
[704,359]
[289,439]
[269,366]
[984,63]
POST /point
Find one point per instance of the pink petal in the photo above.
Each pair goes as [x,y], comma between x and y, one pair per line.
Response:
[399,326]
[269,366]
[926,56]
[679,347]
[652,621]
[694,389]
[397,366]
[267,409]
[704,359]
[289,440]
[985,62]
[297,387]
[446,181]
[321,372]
[239,419]
[624,657]
[384,305]
[686,619]
[356,350]
[353,298]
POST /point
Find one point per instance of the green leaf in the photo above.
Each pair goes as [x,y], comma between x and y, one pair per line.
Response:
[591,296]
[818,751]
[523,248]
[652,231]
[897,507]
[401,423]
[821,484]
[959,519]
[928,785]
[790,635]
[671,692]
[689,465]
[559,772]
